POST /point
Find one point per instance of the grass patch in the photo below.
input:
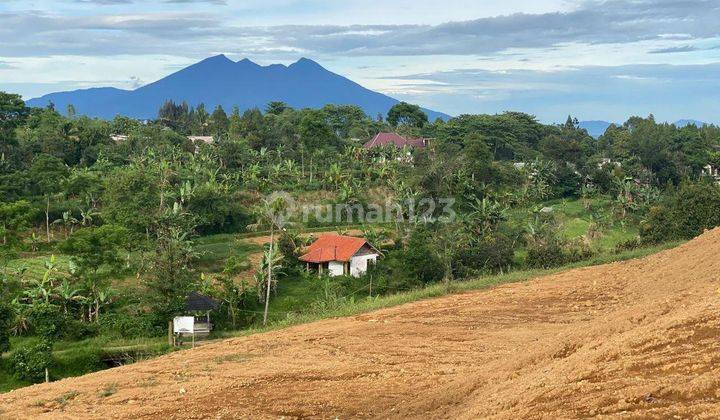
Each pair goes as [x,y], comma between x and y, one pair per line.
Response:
[35,266]
[108,390]
[62,400]
[215,249]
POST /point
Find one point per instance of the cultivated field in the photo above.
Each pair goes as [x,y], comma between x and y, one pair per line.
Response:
[639,338]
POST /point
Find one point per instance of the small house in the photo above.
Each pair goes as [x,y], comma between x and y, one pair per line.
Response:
[393,139]
[202,139]
[118,138]
[197,141]
[711,172]
[339,255]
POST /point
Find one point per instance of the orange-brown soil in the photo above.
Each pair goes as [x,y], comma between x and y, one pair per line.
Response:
[634,339]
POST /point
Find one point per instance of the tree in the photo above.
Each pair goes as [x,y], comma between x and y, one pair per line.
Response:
[131,198]
[32,363]
[219,122]
[234,295]
[449,238]
[684,213]
[315,132]
[6,316]
[345,118]
[171,276]
[272,214]
[484,217]
[271,262]
[67,294]
[404,113]
[68,221]
[47,174]
[91,250]
[276,107]
[200,120]
[175,116]
[12,114]
[14,218]
[478,156]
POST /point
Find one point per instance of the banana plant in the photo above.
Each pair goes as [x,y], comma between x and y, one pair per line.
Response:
[67,295]
[68,222]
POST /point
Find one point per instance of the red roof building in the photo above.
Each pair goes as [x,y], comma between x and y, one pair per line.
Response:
[387,139]
[340,255]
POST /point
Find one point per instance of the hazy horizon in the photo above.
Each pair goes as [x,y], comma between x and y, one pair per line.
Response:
[596,60]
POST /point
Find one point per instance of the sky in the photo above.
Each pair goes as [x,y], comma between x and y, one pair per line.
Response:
[594,59]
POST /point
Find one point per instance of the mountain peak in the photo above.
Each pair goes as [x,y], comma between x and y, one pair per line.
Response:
[219,57]
[305,63]
[218,80]
[247,63]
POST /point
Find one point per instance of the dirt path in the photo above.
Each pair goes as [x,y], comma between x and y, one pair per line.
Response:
[639,339]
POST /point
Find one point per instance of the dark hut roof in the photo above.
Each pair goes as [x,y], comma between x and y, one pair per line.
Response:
[197,302]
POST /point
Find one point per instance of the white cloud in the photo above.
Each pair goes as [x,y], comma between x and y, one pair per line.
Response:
[488,51]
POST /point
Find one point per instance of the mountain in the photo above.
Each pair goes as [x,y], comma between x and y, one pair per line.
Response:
[595,128]
[683,123]
[221,81]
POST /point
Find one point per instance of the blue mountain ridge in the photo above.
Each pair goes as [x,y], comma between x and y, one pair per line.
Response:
[220,81]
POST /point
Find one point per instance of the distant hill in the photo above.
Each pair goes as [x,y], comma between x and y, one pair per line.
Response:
[683,123]
[221,81]
[595,128]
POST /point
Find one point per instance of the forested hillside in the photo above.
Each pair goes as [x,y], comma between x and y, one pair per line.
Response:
[107,226]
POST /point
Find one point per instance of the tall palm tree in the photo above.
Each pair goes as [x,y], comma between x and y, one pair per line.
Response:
[271,261]
[272,214]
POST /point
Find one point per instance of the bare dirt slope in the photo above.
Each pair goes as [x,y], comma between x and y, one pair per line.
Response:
[639,338]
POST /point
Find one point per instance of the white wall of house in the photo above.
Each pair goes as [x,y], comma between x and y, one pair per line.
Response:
[359,264]
[335,268]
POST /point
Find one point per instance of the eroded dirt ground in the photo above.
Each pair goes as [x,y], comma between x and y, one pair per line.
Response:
[634,339]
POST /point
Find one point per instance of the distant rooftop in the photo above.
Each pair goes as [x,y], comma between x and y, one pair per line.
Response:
[386,139]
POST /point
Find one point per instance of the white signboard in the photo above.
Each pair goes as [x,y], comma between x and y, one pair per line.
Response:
[184,324]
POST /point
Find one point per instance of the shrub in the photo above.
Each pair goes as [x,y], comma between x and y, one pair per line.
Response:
[577,251]
[236,264]
[556,252]
[78,361]
[129,326]
[46,320]
[6,317]
[685,214]
[545,255]
[29,363]
[628,245]
[493,254]
[405,268]
[74,329]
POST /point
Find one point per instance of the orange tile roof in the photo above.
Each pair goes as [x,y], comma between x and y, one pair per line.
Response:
[333,248]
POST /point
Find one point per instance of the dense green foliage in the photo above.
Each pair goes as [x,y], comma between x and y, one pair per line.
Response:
[107,226]
[684,213]
[29,363]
